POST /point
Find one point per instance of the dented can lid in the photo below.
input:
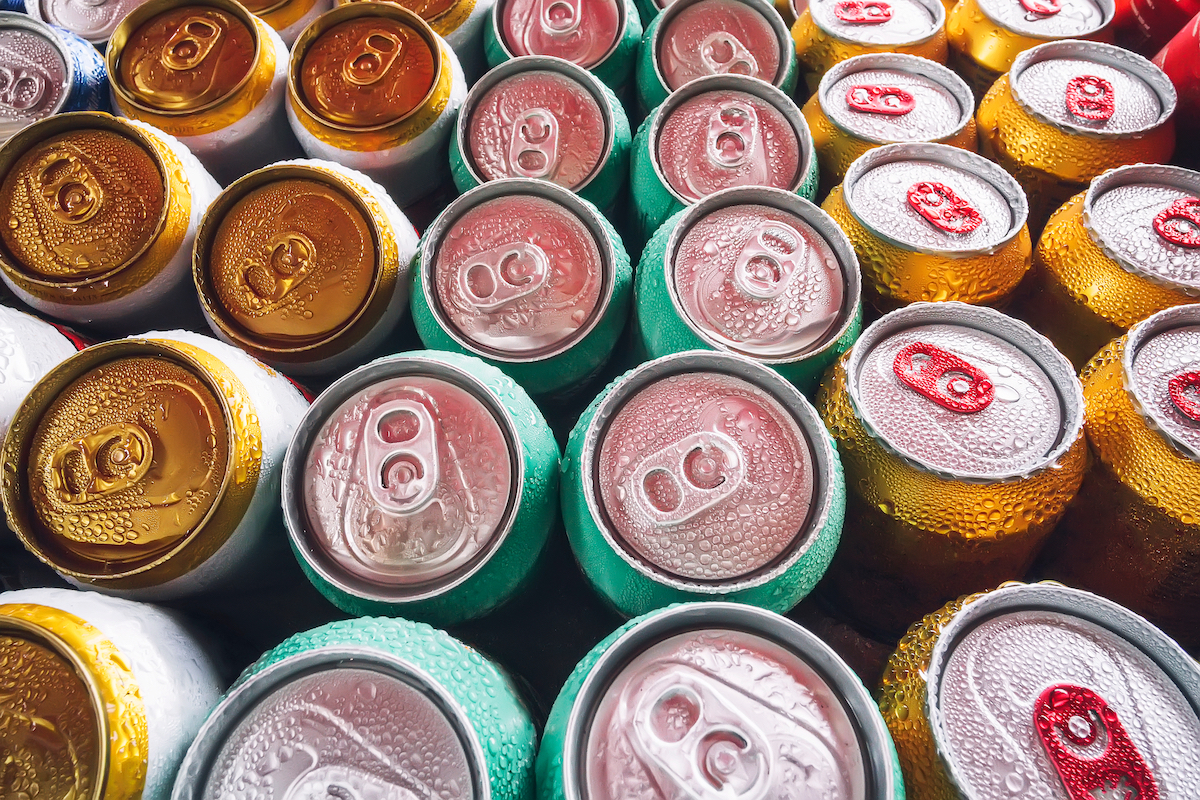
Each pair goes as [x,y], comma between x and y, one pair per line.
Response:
[1162,373]
[36,76]
[716,37]
[1049,19]
[584,32]
[879,22]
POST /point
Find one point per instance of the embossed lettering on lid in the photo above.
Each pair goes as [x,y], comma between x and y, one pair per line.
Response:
[718,37]
[938,103]
[33,78]
[903,22]
[1162,360]
[94,20]
[583,32]
[1049,19]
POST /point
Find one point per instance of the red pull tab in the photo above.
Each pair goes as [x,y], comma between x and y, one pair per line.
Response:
[78,340]
[1185,394]
[1090,97]
[944,378]
[938,203]
[1179,223]
[1066,713]
[890,100]
[863,12]
[1047,8]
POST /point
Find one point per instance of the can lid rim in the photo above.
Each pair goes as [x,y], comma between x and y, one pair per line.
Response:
[37,10]
[1138,336]
[934,7]
[1108,7]
[623,9]
[13,19]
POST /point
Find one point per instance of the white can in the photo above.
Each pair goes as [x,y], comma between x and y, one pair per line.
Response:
[288,17]
[29,348]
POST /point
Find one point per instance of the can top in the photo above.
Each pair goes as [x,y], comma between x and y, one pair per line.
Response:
[1049,19]
[1092,88]
[443,16]
[895,97]
[584,32]
[879,22]
[717,37]
[1046,691]
[93,20]
[934,198]
[36,78]
[965,392]
[1161,363]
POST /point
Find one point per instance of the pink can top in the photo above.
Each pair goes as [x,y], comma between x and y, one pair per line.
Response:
[94,20]
[33,78]
[718,37]
[583,32]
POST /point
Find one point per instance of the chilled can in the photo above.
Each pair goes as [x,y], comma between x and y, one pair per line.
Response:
[1178,61]
[304,265]
[886,98]
[102,214]
[697,476]
[710,700]
[102,696]
[527,276]
[715,133]
[695,38]
[149,466]
[91,20]
[372,87]
[1126,248]
[1042,691]
[1148,25]
[460,23]
[370,709]
[961,431]
[288,17]
[931,222]
[29,348]
[754,271]
[545,118]
[1067,112]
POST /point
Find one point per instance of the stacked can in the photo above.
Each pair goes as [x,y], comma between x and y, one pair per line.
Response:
[545,118]
[460,23]
[150,466]
[1042,691]
[702,475]
[365,708]
[715,700]
[288,17]
[92,21]
[1177,60]
[931,222]
[1112,256]
[29,348]
[101,217]
[961,431]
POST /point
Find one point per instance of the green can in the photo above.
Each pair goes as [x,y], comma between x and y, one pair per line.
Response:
[365,709]
[759,272]
[716,133]
[715,700]
[702,475]
[422,485]
[527,276]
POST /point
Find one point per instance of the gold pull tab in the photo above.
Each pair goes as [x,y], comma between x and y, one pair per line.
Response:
[68,187]
[191,43]
[102,463]
[370,60]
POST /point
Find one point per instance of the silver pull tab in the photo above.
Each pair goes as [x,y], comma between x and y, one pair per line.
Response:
[21,88]
[533,152]
[723,53]
[732,134]
[769,261]
[402,456]
[561,17]
[503,275]
[688,477]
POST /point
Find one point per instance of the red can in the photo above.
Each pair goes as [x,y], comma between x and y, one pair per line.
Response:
[1147,25]
[1180,60]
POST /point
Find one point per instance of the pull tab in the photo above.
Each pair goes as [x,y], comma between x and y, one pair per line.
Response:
[863,12]
[290,257]
[191,43]
[944,378]
[101,463]
[21,89]
[561,18]
[688,477]
[890,100]
[400,438]
[503,275]
[766,265]
[1185,394]
[372,57]
[1179,223]
[1066,713]
[68,187]
[1090,97]
[1046,8]
[533,151]
[945,210]
[732,134]
[723,53]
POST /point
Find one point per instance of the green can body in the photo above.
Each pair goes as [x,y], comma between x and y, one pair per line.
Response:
[647,10]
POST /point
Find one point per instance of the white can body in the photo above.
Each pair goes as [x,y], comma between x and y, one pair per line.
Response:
[292,32]
[467,41]
[29,348]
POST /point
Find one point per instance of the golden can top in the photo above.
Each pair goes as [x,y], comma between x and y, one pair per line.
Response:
[428,10]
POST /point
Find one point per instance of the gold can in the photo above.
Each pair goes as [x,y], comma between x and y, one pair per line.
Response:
[1067,112]
[288,17]
[459,22]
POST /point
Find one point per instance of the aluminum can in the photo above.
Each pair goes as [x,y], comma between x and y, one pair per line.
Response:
[29,348]
[102,696]
[933,222]
[105,212]
[715,133]
[1113,255]
[377,709]
[527,276]
[546,118]
[16,6]
[1067,112]
[91,20]
[1134,534]
[372,87]
[886,98]
[115,494]
[460,23]
[304,265]
[754,271]
[961,431]
[1042,691]
[701,475]
[711,700]
[288,17]
[695,38]
[1178,61]
[830,31]
[1148,25]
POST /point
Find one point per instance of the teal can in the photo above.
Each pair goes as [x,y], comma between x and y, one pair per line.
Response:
[702,475]
[365,709]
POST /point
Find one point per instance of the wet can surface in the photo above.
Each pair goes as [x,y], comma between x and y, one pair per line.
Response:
[1148,25]
[372,87]
[701,475]
[754,271]
[545,118]
[961,431]
[714,700]
[91,20]
[527,276]
[105,214]
[1126,248]
[1042,691]
[149,466]
[209,73]
[1067,112]
[29,348]
[931,222]
[422,485]
[288,17]
[365,708]
[460,23]
[102,696]
[1177,60]
[304,265]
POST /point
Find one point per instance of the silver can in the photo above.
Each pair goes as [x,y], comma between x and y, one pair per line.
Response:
[91,20]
